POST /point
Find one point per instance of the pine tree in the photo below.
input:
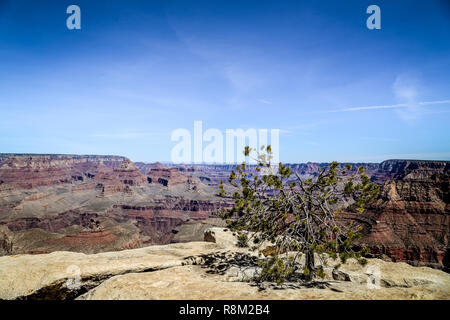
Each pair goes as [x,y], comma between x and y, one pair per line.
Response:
[298,216]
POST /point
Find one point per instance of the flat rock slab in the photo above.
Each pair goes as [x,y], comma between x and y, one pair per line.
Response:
[45,276]
[182,271]
[193,283]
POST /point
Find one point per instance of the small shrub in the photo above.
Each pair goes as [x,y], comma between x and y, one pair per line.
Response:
[242,240]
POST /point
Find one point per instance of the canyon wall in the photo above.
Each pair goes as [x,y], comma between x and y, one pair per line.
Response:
[100,203]
[410,220]
[94,203]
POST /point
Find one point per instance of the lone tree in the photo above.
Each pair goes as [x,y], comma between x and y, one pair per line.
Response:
[298,216]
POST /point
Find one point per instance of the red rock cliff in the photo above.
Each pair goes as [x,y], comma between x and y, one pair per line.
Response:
[410,220]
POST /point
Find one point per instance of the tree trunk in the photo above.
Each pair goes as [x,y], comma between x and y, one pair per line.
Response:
[309,263]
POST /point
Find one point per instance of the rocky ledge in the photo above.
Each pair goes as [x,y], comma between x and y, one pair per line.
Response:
[202,270]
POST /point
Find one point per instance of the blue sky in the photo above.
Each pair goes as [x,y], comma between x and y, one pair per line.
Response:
[137,70]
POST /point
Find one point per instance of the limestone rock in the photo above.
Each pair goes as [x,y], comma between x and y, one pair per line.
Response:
[220,236]
[192,282]
[194,230]
[183,271]
[339,275]
[46,276]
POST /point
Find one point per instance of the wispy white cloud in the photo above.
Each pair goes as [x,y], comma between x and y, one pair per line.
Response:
[163,102]
[389,106]
[410,156]
[243,80]
[406,90]
[313,143]
[285,132]
[380,139]
[265,101]
[305,128]
[129,135]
